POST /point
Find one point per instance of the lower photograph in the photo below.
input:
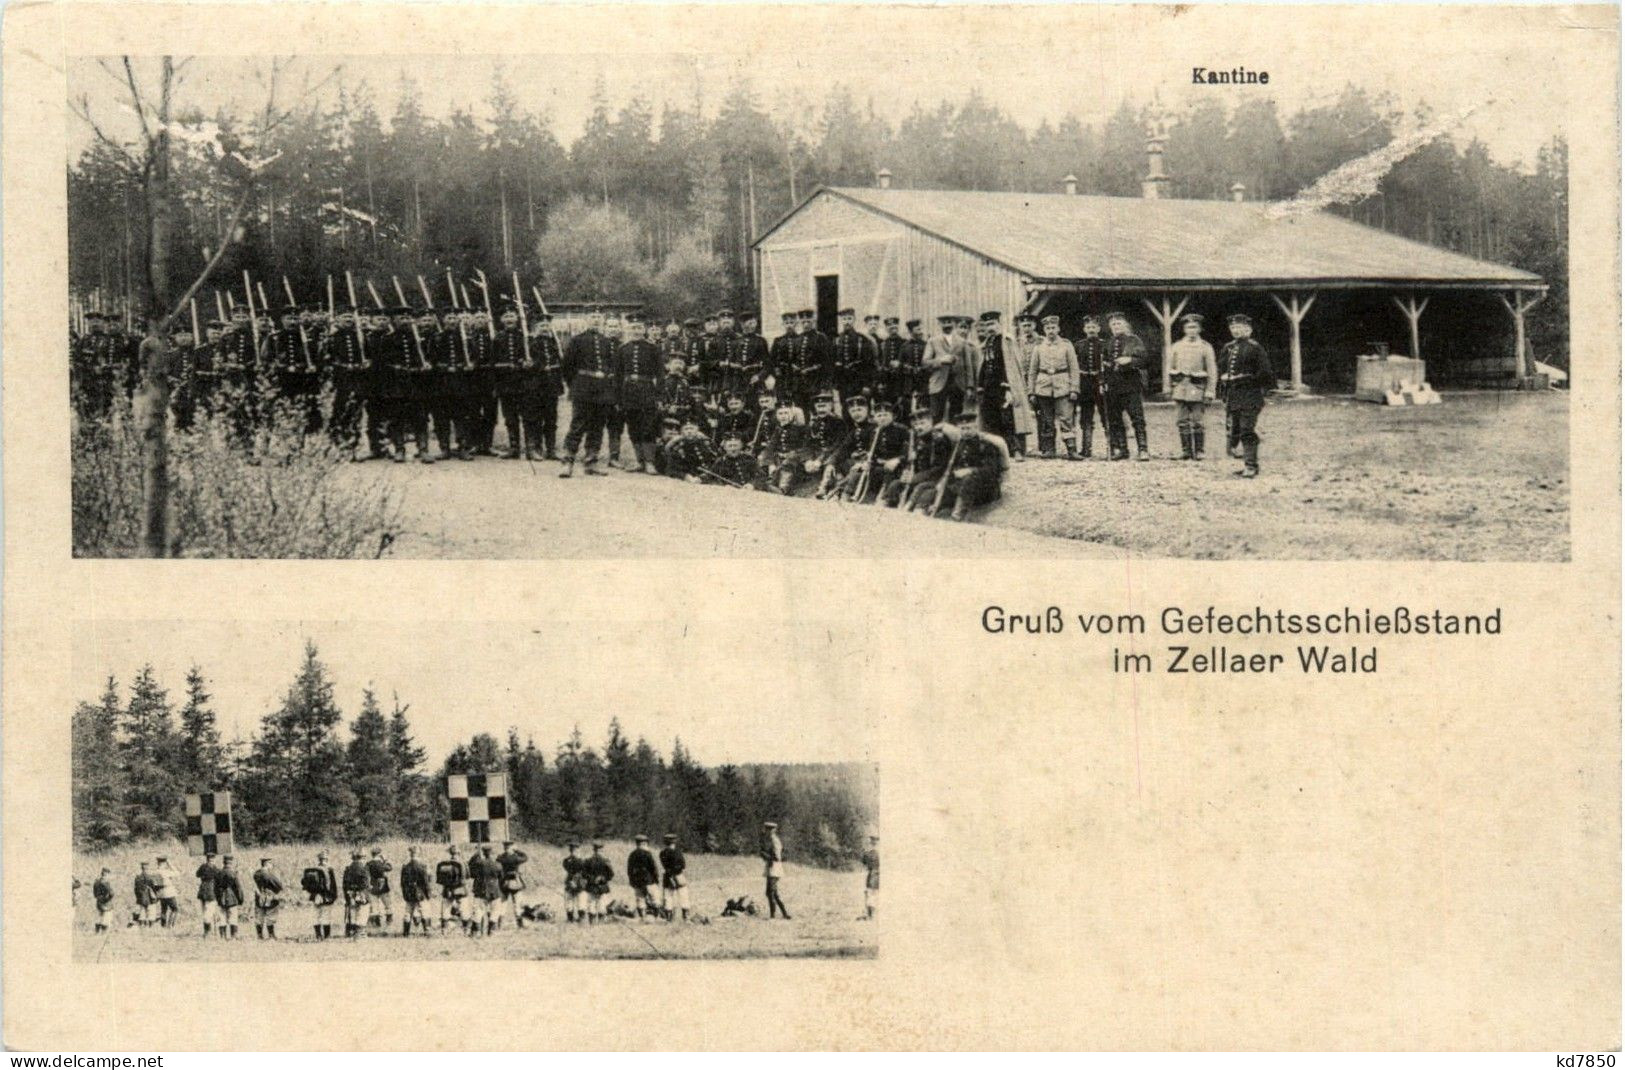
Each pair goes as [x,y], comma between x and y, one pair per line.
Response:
[330,791]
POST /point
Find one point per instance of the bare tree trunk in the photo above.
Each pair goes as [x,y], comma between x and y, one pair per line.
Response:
[152,406]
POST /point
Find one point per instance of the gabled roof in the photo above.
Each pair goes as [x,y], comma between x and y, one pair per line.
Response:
[1053,237]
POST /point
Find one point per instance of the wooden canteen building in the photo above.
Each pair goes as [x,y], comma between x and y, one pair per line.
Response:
[1320,288]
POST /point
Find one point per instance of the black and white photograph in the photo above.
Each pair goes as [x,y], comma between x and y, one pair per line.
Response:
[692,306]
[278,792]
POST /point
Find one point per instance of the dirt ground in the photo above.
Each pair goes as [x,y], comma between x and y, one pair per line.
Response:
[1482,477]
[825,906]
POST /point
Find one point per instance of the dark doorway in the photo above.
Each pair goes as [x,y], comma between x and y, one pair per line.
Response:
[829,298]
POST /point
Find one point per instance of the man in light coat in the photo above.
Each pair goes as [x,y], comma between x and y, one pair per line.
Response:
[1193,374]
[1052,386]
[950,363]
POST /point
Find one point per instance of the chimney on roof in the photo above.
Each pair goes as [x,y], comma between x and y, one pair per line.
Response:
[883,179]
[1156,140]
[1238,192]
[1070,184]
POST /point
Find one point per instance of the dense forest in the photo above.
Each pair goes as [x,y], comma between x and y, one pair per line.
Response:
[662,208]
[308,776]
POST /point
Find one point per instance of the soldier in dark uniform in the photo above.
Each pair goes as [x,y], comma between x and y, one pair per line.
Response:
[1092,351]
[183,377]
[510,356]
[293,365]
[761,428]
[784,443]
[485,877]
[228,897]
[673,879]
[676,395]
[691,456]
[596,874]
[355,881]
[638,381]
[321,885]
[673,343]
[542,415]
[978,469]
[854,357]
[88,368]
[444,384]
[916,377]
[414,893]
[267,899]
[708,355]
[452,878]
[815,360]
[511,861]
[736,466]
[775,374]
[839,457]
[575,893]
[752,355]
[891,377]
[102,890]
[1125,367]
[236,361]
[1245,376]
[798,450]
[928,449]
[733,419]
[208,908]
[480,402]
[383,904]
[878,449]
[872,331]
[146,898]
[590,368]
[644,877]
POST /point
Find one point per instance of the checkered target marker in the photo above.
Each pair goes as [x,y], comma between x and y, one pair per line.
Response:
[479,807]
[208,823]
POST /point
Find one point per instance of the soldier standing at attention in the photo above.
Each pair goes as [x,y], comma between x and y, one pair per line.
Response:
[575,896]
[1052,384]
[145,899]
[871,330]
[589,366]
[915,376]
[643,876]
[1246,375]
[1193,375]
[513,881]
[355,895]
[596,873]
[637,369]
[708,355]
[891,377]
[752,355]
[453,880]
[207,874]
[486,877]
[228,893]
[1125,368]
[1091,350]
[508,357]
[267,899]
[772,852]
[378,869]
[102,890]
[414,893]
[674,879]
[321,884]
[871,879]
[542,417]
[855,358]
[166,885]
[777,374]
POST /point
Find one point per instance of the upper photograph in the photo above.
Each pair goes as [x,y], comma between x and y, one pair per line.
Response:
[680,306]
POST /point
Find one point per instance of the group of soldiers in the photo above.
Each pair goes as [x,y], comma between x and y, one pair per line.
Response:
[681,393]
[474,896]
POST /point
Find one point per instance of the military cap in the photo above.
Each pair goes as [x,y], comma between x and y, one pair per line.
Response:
[208,854]
[825,395]
[227,858]
[848,312]
[786,403]
[1052,318]
[94,316]
[598,843]
[1026,317]
[671,423]
[992,316]
[787,316]
[1117,316]
[733,395]
[710,317]
[911,324]
[807,314]
[892,321]
[1091,319]
[691,322]
[749,314]
[572,842]
[1191,317]
[948,319]
[1241,317]
[858,399]
[885,406]
[770,824]
[377,850]
[163,858]
[355,854]
[734,436]
[262,861]
[671,837]
[640,838]
[871,317]
[632,317]
[691,419]
[921,411]
[966,415]
[725,314]
[507,843]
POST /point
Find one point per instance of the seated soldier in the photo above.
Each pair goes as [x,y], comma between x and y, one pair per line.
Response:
[878,451]
[927,455]
[786,444]
[670,429]
[736,467]
[826,435]
[733,419]
[761,425]
[691,456]
[838,458]
[979,465]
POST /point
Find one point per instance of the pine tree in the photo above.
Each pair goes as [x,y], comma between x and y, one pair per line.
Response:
[296,785]
[152,799]
[413,799]
[374,776]
[98,779]
[200,757]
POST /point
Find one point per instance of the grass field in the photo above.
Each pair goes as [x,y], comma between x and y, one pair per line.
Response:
[825,904]
[1482,477]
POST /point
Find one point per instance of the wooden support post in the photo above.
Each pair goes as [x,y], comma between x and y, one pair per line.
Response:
[1295,308]
[1518,306]
[1166,312]
[1413,313]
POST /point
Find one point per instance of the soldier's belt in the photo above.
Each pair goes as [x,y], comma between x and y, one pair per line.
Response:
[593,375]
[639,379]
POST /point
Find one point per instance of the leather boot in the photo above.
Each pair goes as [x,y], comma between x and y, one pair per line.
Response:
[569,468]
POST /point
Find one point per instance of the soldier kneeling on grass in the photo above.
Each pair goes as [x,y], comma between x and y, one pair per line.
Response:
[356,900]
[414,893]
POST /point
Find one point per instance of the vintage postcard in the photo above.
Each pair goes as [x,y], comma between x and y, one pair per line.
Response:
[511,489]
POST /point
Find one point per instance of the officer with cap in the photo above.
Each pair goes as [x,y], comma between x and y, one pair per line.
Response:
[320,884]
[777,369]
[382,901]
[638,376]
[1125,371]
[1193,375]
[228,893]
[414,893]
[854,357]
[772,855]
[590,367]
[1052,386]
[1002,373]
[644,877]
[1092,350]
[596,874]
[356,880]
[751,355]
[1246,375]
[673,879]
[575,889]
[979,465]
[267,899]
[512,861]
